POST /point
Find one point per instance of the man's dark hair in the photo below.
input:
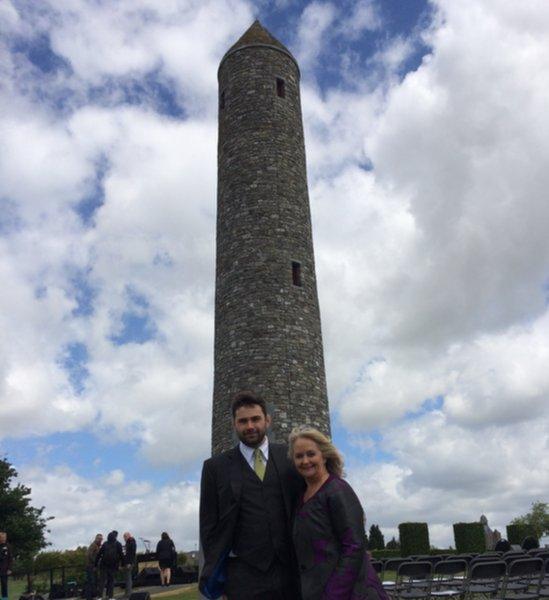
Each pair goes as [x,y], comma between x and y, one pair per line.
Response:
[247,399]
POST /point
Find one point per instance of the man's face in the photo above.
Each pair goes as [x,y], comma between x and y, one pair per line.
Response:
[99,540]
[3,537]
[251,425]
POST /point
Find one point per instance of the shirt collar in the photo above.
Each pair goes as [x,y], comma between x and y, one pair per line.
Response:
[248,452]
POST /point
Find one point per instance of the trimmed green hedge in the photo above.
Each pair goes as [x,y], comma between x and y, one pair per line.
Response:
[414,538]
[385,553]
[469,537]
[438,551]
[516,533]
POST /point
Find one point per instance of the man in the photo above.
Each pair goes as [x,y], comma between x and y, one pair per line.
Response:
[109,558]
[130,550]
[247,498]
[91,569]
[6,560]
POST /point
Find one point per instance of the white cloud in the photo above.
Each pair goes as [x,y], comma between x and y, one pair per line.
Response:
[444,474]
[364,16]
[82,507]
[8,15]
[313,33]
[114,478]
[428,197]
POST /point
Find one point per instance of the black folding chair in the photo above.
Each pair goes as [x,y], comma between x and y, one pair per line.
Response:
[391,564]
[544,554]
[515,553]
[413,581]
[482,558]
[466,557]
[449,578]
[377,565]
[485,578]
[435,559]
[509,558]
[544,586]
[524,577]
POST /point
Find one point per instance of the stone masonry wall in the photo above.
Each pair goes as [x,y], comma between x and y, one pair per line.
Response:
[267,330]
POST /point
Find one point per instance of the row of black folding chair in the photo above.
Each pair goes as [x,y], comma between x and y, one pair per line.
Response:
[519,580]
[413,581]
[524,579]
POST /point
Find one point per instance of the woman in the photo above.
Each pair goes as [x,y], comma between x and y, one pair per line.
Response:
[165,554]
[328,527]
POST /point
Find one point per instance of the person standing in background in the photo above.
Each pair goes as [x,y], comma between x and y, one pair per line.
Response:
[130,551]
[109,558]
[91,569]
[6,560]
[165,554]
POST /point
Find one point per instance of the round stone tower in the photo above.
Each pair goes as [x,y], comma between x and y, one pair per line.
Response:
[267,320]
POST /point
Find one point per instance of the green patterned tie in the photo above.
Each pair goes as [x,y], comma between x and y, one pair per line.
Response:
[259,465]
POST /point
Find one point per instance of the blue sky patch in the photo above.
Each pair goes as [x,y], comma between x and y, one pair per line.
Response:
[74,359]
[152,90]
[361,448]
[84,293]
[137,326]
[85,452]
[39,52]
[428,405]
[89,205]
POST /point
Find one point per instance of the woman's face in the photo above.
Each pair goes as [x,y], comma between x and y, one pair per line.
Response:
[308,460]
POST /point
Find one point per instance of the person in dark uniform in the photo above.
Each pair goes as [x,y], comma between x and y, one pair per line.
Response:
[6,560]
[247,497]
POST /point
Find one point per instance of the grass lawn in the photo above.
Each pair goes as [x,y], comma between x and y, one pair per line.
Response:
[16,587]
[188,594]
[19,586]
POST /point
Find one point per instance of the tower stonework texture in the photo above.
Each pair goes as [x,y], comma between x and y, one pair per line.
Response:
[267,321]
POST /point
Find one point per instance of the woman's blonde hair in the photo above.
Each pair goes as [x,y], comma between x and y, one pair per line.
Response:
[334,460]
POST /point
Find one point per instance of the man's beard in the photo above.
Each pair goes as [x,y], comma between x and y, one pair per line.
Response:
[255,440]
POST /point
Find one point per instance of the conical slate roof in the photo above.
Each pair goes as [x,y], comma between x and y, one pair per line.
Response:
[256,34]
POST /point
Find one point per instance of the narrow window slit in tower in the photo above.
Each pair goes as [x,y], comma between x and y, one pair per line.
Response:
[222,100]
[296,273]
[280,87]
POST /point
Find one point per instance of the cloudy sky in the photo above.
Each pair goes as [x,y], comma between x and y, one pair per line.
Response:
[427,137]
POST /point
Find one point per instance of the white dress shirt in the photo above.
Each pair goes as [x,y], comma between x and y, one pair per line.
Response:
[248,453]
